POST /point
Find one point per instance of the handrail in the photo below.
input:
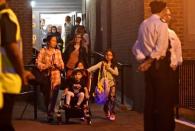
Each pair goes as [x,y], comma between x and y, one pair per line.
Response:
[122,74]
[119,63]
[30,65]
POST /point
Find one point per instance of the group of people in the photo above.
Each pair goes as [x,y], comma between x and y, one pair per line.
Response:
[76,83]
[157,49]
[63,38]
[53,61]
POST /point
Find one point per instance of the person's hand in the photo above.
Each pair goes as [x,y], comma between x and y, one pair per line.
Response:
[86,95]
[106,66]
[26,77]
[174,67]
[145,65]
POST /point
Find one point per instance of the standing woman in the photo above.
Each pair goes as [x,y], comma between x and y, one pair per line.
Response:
[50,60]
[74,52]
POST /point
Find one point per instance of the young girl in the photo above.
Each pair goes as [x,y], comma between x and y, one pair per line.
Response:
[108,71]
[86,76]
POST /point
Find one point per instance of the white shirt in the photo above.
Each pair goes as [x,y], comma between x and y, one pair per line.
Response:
[152,39]
[176,51]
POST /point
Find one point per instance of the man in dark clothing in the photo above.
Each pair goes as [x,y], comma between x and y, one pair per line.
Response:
[152,49]
[78,21]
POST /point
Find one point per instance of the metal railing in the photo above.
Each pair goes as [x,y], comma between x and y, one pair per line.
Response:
[31,89]
[187,84]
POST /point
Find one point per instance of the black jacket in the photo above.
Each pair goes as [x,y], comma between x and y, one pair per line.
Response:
[82,53]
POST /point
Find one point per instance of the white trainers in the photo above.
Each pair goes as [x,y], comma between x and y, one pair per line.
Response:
[112,117]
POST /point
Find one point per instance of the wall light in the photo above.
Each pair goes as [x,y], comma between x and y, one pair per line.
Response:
[32,3]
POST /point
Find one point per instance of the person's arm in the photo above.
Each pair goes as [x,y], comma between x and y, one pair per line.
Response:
[86,39]
[136,50]
[15,57]
[86,91]
[12,49]
[176,51]
[58,60]
[95,67]
[42,66]
[112,71]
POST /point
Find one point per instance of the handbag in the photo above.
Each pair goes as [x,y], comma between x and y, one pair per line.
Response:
[101,92]
[41,77]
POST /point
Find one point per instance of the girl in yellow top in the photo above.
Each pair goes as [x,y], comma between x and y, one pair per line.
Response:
[108,71]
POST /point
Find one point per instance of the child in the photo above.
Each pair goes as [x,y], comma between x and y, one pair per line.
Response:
[76,87]
[108,71]
[86,76]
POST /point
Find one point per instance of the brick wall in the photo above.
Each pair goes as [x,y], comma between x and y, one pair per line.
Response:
[126,18]
[24,12]
[177,8]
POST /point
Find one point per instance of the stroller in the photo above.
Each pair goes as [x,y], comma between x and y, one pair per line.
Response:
[83,112]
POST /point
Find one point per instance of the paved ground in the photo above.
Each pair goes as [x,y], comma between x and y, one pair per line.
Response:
[126,121]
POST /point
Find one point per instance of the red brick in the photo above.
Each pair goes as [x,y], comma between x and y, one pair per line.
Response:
[24,14]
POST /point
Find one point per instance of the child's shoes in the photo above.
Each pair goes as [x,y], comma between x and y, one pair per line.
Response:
[77,106]
[67,106]
[112,117]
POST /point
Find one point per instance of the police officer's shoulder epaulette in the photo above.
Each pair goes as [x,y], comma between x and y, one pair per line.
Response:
[162,20]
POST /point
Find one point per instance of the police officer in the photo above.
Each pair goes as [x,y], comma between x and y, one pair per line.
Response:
[12,73]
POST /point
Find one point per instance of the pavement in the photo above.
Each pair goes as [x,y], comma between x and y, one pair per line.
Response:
[126,120]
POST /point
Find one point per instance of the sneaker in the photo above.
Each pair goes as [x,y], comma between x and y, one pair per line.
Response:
[59,117]
[66,106]
[82,118]
[77,106]
[112,117]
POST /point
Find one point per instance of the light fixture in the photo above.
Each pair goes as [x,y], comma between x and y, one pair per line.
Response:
[32,3]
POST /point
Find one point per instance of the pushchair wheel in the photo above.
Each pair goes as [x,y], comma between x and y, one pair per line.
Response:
[89,122]
[59,117]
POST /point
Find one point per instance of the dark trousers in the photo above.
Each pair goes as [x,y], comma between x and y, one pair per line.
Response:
[53,99]
[50,96]
[6,113]
[175,85]
[159,97]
